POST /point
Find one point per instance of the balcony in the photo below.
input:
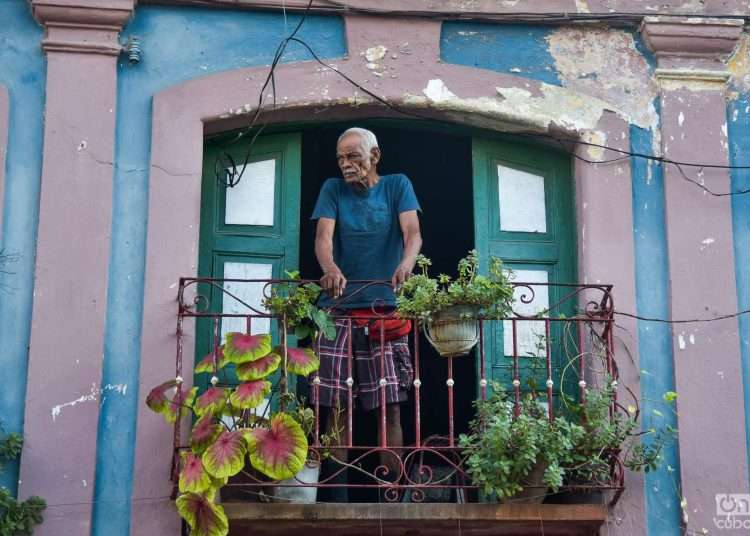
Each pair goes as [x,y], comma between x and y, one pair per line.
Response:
[558,340]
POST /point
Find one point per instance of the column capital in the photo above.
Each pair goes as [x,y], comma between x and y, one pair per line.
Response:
[82,26]
[692,50]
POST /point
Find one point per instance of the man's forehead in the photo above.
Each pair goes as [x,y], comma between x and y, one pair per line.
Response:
[350,142]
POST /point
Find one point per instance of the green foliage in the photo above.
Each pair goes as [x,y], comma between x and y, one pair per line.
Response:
[577,448]
[297,302]
[17,518]
[228,434]
[614,433]
[502,449]
[422,296]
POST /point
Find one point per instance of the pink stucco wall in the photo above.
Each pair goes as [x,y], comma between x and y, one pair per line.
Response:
[76,202]
[177,147]
[707,356]
[66,347]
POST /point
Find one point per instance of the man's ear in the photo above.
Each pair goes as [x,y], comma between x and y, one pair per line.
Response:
[375,155]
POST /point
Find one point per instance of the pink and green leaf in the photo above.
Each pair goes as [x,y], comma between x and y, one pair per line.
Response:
[181,405]
[280,450]
[203,516]
[193,476]
[260,368]
[211,402]
[205,431]
[159,401]
[207,363]
[226,456]
[241,348]
[301,361]
[250,394]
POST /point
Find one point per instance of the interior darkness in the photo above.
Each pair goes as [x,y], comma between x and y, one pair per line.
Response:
[439,166]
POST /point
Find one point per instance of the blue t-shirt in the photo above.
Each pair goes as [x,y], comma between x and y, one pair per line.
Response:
[367,242]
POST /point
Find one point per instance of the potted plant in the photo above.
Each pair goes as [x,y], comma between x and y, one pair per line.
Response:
[296,301]
[613,431]
[518,456]
[450,308]
[225,435]
[301,488]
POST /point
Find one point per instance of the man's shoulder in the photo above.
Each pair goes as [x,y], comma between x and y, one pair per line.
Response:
[396,179]
[332,185]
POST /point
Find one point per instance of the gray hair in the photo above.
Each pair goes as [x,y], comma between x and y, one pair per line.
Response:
[368,139]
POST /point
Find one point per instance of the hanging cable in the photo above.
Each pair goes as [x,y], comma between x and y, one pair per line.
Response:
[226,168]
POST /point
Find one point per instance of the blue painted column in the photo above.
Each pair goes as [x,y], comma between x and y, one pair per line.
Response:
[22,72]
[662,487]
[738,122]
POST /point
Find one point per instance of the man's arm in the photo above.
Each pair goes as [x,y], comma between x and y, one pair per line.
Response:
[333,281]
[412,244]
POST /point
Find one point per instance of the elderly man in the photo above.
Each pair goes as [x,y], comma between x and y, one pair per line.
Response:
[367,229]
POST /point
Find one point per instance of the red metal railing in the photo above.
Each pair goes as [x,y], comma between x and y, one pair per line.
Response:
[577,328]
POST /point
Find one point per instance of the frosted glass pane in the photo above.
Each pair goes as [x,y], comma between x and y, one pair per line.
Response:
[250,293]
[522,206]
[251,201]
[530,338]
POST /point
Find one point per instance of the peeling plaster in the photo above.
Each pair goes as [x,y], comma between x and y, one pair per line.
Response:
[739,65]
[582,6]
[606,64]
[552,106]
[437,91]
[92,396]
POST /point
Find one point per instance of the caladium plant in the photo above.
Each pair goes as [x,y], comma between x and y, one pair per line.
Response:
[225,436]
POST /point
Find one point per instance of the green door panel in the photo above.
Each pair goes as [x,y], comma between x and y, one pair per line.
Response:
[239,245]
[548,254]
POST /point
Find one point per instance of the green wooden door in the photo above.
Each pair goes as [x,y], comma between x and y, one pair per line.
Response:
[523,214]
[249,231]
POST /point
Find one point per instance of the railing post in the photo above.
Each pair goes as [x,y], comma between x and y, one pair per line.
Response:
[417,392]
[549,383]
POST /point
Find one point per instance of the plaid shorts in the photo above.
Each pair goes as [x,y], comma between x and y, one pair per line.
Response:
[365,368]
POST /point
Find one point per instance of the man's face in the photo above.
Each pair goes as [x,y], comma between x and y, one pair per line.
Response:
[354,163]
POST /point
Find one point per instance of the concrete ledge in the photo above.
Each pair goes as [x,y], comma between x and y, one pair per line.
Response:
[415,519]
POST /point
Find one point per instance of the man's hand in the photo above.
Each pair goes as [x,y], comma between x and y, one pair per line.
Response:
[333,282]
[402,273]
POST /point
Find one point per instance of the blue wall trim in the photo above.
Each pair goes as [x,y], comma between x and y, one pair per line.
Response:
[515,49]
[22,71]
[738,121]
[178,45]
[662,487]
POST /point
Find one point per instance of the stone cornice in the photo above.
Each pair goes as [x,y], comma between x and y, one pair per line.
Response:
[82,26]
[701,41]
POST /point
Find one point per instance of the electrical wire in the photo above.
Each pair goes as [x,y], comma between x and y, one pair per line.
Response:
[685,321]
[226,166]
[626,154]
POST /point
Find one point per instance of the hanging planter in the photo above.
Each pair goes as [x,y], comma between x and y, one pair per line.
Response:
[450,309]
[455,331]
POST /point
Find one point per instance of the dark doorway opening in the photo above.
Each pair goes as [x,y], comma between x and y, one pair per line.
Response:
[439,166]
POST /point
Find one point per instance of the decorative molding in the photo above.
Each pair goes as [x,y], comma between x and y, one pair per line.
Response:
[693,75]
[83,26]
[695,43]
